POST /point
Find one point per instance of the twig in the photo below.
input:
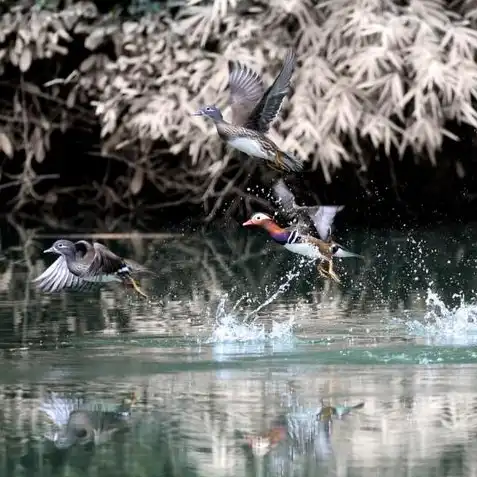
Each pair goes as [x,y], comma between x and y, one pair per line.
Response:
[112,236]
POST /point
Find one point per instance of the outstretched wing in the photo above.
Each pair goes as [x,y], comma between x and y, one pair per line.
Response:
[104,262]
[267,110]
[300,216]
[324,218]
[284,196]
[246,89]
[57,277]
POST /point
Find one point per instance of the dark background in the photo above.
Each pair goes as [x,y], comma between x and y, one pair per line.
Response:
[392,192]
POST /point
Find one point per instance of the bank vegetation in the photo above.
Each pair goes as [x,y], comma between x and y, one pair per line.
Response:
[96,105]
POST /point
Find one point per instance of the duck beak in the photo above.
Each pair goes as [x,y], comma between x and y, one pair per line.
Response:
[198,113]
[49,250]
[249,222]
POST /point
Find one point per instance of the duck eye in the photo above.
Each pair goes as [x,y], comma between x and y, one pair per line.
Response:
[80,433]
[208,108]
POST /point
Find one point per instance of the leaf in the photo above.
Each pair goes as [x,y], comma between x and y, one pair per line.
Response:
[87,64]
[71,99]
[38,146]
[25,60]
[51,198]
[137,181]
[459,169]
[94,39]
[13,57]
[40,151]
[6,145]
[31,88]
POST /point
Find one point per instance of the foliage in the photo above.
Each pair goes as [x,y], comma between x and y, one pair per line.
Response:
[373,75]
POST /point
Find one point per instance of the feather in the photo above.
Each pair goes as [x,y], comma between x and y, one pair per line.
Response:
[104,262]
[345,253]
[323,219]
[301,216]
[284,196]
[246,89]
[267,110]
[79,422]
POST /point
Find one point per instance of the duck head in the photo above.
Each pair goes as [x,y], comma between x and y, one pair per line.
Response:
[259,219]
[212,112]
[62,247]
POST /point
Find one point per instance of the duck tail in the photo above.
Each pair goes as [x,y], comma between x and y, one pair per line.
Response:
[358,406]
[291,163]
[343,253]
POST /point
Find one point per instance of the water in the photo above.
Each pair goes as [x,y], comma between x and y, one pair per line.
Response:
[240,338]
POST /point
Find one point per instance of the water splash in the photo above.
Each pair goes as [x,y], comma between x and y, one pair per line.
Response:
[232,328]
[444,324]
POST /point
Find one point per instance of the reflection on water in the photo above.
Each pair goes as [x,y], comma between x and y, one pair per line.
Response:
[233,358]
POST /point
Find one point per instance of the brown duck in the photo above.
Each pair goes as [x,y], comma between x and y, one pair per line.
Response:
[253,111]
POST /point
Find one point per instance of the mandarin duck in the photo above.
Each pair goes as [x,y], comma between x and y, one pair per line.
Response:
[303,244]
[261,444]
[77,421]
[253,111]
[84,266]
[327,413]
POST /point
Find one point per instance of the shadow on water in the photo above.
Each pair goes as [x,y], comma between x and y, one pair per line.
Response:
[241,339]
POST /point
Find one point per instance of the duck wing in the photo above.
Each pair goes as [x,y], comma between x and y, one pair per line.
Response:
[104,262]
[301,223]
[246,89]
[58,277]
[267,110]
[300,216]
[284,196]
[323,219]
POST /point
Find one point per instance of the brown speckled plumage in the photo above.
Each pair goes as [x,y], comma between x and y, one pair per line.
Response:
[253,111]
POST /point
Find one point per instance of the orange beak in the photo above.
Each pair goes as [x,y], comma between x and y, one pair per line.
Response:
[249,222]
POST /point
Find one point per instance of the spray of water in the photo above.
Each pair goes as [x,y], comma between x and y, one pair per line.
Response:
[447,325]
[231,327]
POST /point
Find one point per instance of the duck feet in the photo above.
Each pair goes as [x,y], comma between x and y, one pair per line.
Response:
[328,272]
[331,272]
[279,160]
[133,283]
[323,272]
[276,163]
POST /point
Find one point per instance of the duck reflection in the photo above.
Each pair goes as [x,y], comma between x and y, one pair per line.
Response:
[261,444]
[77,421]
[301,437]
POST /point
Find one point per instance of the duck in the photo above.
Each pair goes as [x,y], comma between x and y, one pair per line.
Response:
[78,421]
[262,443]
[253,112]
[327,413]
[85,266]
[303,244]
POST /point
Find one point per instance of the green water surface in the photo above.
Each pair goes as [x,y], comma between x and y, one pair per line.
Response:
[237,333]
